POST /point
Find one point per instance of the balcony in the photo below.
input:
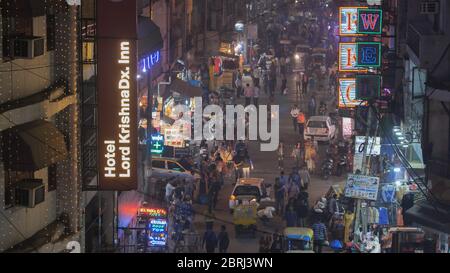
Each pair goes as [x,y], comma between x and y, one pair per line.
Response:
[424,45]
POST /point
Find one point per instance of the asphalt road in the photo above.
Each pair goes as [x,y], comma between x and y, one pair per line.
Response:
[266,166]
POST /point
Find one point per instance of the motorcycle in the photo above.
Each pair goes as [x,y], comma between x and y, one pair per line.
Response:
[327,168]
[342,164]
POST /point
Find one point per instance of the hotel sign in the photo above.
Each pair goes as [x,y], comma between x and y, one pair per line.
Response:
[355,21]
[347,93]
[116,92]
[347,58]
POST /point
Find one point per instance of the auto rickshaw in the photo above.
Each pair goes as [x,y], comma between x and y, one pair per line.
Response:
[245,218]
[298,240]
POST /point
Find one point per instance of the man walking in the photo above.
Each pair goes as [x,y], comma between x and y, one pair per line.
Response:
[298,83]
[304,83]
[294,114]
[209,241]
[224,240]
[320,235]
[280,192]
[301,123]
[248,93]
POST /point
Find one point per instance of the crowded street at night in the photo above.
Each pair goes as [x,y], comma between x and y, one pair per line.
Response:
[225,126]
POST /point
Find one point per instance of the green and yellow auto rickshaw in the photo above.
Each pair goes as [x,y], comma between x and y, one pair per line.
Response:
[298,240]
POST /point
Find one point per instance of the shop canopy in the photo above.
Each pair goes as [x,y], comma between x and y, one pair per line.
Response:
[32,146]
[149,37]
[426,215]
[185,89]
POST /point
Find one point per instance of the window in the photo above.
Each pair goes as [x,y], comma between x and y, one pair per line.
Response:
[247,190]
[175,167]
[11,180]
[50,21]
[160,164]
[52,177]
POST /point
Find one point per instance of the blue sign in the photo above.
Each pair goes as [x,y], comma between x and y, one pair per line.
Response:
[149,61]
[368,54]
[158,232]
[156,144]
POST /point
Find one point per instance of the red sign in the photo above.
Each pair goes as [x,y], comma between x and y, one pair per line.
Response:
[116,94]
[152,212]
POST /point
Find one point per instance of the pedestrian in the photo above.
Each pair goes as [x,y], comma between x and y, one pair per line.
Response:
[298,83]
[248,93]
[256,76]
[302,208]
[280,192]
[312,106]
[291,217]
[294,114]
[209,241]
[238,84]
[301,123]
[294,177]
[256,93]
[305,177]
[280,153]
[312,82]
[277,244]
[292,191]
[169,192]
[305,81]
[284,179]
[224,240]
[310,157]
[320,235]
[296,154]
[283,83]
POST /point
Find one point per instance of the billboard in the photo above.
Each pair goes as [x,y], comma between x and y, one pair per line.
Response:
[348,21]
[362,187]
[368,54]
[348,58]
[116,95]
[347,93]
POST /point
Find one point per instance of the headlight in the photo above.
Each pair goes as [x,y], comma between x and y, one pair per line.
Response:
[297,56]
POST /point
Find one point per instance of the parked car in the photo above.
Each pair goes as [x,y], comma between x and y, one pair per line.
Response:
[164,168]
[321,128]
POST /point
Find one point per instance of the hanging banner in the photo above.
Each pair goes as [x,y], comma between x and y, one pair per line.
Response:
[347,58]
[368,54]
[362,187]
[370,21]
[116,95]
[347,93]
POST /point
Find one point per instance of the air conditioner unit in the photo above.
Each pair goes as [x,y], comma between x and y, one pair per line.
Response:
[29,47]
[431,7]
[30,192]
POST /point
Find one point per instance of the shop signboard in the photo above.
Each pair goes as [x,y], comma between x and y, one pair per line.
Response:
[158,232]
[370,21]
[348,125]
[347,93]
[147,62]
[368,54]
[116,93]
[174,138]
[374,148]
[368,87]
[362,187]
[157,144]
[348,58]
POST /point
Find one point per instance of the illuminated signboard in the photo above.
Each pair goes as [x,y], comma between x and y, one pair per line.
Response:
[174,138]
[347,93]
[368,54]
[368,87]
[370,21]
[156,144]
[149,61]
[117,99]
[347,58]
[348,19]
[153,212]
[158,232]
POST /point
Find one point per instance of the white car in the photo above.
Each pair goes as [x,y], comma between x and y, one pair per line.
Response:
[320,128]
[247,189]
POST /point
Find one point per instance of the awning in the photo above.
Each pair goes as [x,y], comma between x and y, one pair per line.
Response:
[425,215]
[185,89]
[32,146]
[149,37]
